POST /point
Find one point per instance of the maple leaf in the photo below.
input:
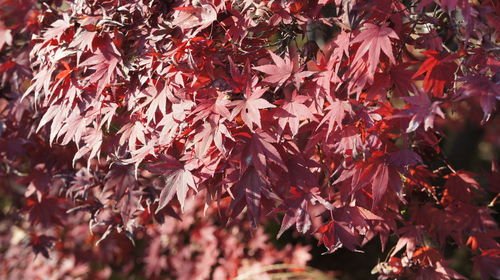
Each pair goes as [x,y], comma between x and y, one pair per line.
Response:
[83,40]
[482,87]
[210,132]
[169,131]
[404,158]
[120,179]
[438,69]
[42,244]
[296,212]
[378,90]
[46,212]
[336,113]
[249,107]
[378,173]
[130,207]
[177,180]
[296,209]
[460,187]
[374,39]
[349,139]
[238,26]
[104,64]
[93,141]
[340,46]
[488,264]
[39,182]
[341,231]
[297,215]
[292,112]
[80,185]
[128,82]
[410,237]
[208,107]
[192,16]
[74,127]
[157,99]
[422,110]
[380,180]
[239,79]
[131,133]
[283,69]
[249,188]
[258,150]
[57,28]
[279,72]
[335,235]
[327,66]
[300,167]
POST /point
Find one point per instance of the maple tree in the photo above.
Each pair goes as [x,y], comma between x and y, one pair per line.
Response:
[172,132]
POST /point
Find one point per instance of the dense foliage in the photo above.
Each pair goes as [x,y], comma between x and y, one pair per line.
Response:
[155,138]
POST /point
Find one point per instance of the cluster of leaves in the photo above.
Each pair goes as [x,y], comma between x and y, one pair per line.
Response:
[325,114]
[47,203]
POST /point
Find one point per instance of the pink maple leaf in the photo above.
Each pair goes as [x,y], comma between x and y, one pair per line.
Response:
[104,64]
[177,180]
[57,29]
[194,16]
[337,111]
[250,106]
[292,112]
[374,39]
[283,69]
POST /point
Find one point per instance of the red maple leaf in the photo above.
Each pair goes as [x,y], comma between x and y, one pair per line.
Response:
[488,263]
[484,88]
[211,131]
[47,212]
[209,107]
[438,69]
[258,150]
[410,237]
[248,191]
[57,29]
[296,212]
[421,110]
[335,235]
[120,179]
[42,244]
